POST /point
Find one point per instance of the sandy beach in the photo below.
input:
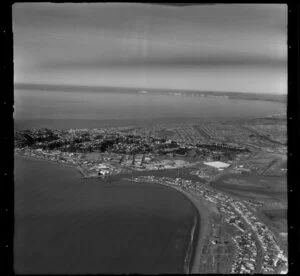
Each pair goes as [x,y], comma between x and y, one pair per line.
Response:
[203,229]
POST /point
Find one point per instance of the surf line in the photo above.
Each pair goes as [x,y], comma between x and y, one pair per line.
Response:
[189,252]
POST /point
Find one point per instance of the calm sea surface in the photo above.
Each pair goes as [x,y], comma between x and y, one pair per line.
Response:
[65,224]
[91,110]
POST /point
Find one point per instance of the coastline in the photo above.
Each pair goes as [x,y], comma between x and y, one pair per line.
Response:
[75,167]
[201,226]
[190,250]
[203,230]
[80,170]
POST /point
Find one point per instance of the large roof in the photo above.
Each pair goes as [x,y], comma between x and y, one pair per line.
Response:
[217,164]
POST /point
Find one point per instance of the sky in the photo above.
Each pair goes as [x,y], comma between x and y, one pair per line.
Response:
[222,47]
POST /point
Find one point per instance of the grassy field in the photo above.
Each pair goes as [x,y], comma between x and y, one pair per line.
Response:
[253,186]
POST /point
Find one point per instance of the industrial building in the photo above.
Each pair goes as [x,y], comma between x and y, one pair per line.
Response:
[217,164]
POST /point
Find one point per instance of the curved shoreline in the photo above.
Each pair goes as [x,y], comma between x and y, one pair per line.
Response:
[189,256]
[202,225]
[203,219]
[71,166]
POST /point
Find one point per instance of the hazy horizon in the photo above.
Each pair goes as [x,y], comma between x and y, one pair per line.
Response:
[225,48]
[86,88]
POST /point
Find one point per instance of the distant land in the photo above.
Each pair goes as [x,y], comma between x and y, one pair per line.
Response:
[176,92]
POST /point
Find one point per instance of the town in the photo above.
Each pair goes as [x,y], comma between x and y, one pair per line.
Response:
[157,146]
[250,235]
[215,163]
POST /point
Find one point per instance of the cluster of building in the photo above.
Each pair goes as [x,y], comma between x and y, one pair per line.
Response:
[134,151]
[106,163]
[272,254]
[52,155]
[84,140]
[204,174]
[194,133]
[190,133]
[274,131]
[237,214]
[246,254]
[196,140]
[100,169]
[88,168]
[260,134]
[241,169]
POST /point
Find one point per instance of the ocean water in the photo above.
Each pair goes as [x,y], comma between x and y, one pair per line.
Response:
[68,225]
[97,109]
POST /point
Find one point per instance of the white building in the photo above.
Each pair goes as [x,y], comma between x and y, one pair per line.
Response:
[217,164]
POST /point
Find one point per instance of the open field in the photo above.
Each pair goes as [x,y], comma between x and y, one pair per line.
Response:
[252,185]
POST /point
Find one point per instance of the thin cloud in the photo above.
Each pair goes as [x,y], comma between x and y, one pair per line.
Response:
[59,42]
[179,62]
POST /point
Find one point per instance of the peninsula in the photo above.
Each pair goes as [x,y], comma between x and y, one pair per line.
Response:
[213,164]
